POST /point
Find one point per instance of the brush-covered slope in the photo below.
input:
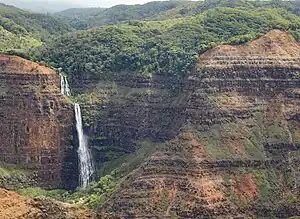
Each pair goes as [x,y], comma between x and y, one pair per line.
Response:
[94,17]
[168,47]
[224,144]
[21,29]
[84,18]
[79,18]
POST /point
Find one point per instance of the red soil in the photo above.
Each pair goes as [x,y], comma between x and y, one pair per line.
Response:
[16,64]
[246,189]
[14,206]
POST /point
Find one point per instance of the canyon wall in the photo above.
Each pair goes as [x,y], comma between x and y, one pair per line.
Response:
[36,123]
[221,143]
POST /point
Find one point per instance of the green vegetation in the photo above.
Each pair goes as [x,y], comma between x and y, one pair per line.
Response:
[94,17]
[57,194]
[96,192]
[161,38]
[6,172]
[107,178]
[79,17]
[21,30]
[92,196]
[84,18]
[168,47]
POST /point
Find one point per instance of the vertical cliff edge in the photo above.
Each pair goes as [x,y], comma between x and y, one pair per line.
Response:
[36,124]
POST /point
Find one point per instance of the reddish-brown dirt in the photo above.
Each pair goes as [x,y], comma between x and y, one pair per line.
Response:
[236,146]
[14,206]
[246,189]
[18,65]
[199,150]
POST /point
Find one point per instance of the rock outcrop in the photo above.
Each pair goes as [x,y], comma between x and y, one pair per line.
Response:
[36,123]
[230,136]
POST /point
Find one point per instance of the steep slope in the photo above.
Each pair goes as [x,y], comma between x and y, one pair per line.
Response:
[36,123]
[231,148]
[79,18]
[22,29]
[83,18]
[160,47]
[15,206]
[95,17]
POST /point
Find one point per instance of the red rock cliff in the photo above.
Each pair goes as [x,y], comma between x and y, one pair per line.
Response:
[235,148]
[35,121]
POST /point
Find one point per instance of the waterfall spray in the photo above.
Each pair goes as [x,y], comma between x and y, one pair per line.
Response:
[86,167]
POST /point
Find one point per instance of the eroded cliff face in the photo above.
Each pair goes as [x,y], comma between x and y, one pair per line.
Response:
[225,140]
[36,123]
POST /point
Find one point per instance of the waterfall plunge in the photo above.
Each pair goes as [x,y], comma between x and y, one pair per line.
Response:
[64,86]
[86,166]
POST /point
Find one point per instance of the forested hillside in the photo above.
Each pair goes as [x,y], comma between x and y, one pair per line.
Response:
[95,17]
[84,18]
[79,18]
[21,29]
[168,47]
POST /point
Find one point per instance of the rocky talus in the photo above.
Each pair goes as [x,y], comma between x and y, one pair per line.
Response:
[36,123]
[229,136]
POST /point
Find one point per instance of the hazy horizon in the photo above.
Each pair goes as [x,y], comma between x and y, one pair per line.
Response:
[77,3]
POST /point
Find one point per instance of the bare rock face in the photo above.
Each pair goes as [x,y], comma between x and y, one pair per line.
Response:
[233,151]
[36,122]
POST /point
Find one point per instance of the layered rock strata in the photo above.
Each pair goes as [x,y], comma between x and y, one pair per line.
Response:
[233,148]
[36,123]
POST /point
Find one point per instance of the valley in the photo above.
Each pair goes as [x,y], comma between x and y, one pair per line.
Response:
[190,110]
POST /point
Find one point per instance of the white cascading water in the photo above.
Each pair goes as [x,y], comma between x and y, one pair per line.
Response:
[64,86]
[86,166]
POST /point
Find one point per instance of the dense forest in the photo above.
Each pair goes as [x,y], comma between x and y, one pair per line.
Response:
[84,18]
[162,38]
[94,17]
[167,47]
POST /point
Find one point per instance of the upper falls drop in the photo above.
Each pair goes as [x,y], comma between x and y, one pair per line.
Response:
[86,166]
[64,86]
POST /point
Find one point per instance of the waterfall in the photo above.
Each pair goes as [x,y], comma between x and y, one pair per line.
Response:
[86,167]
[64,86]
